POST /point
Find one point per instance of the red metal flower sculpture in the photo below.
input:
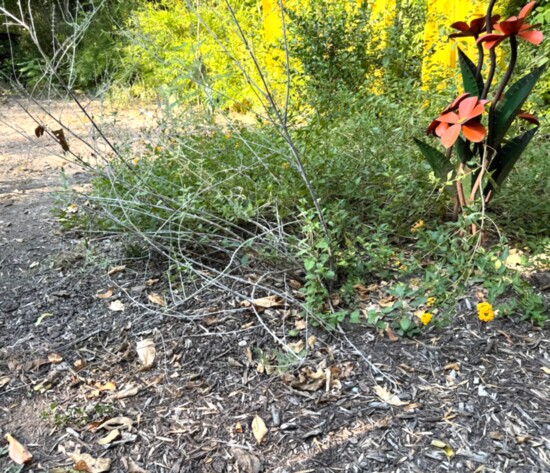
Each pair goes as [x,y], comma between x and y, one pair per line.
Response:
[466,120]
[475,28]
[515,25]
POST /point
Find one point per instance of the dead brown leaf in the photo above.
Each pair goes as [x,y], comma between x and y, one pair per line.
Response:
[18,452]
[389,332]
[55,358]
[112,435]
[132,467]
[388,301]
[265,302]
[294,284]
[298,346]
[117,306]
[39,131]
[300,324]
[80,364]
[85,462]
[108,386]
[4,380]
[105,295]
[60,135]
[248,462]
[151,282]
[156,299]
[116,269]
[385,395]
[259,429]
[116,423]
[128,392]
[146,352]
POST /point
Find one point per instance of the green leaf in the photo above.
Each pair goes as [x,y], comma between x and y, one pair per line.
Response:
[355,317]
[472,85]
[405,324]
[438,161]
[463,150]
[510,105]
[309,264]
[508,156]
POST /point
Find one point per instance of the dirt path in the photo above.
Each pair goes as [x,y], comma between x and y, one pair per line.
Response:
[470,397]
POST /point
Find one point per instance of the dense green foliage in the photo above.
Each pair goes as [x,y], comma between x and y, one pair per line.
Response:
[213,191]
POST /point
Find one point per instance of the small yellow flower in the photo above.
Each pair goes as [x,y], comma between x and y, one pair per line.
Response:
[227,136]
[135,161]
[417,226]
[426,318]
[431,301]
[485,312]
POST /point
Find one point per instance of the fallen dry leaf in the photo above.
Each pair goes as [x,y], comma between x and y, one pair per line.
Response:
[18,452]
[294,284]
[544,368]
[117,306]
[4,380]
[112,435]
[238,429]
[300,324]
[146,352]
[151,282]
[108,386]
[386,396]
[387,301]
[80,364]
[259,429]
[116,423]
[247,462]
[55,358]
[85,462]
[311,341]
[128,392]
[265,302]
[132,467]
[156,299]
[105,295]
[116,269]
[389,332]
[298,346]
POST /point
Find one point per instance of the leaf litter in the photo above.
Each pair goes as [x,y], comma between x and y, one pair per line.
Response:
[321,412]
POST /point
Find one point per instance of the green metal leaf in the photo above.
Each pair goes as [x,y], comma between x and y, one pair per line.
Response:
[472,84]
[438,161]
[463,150]
[507,157]
[510,105]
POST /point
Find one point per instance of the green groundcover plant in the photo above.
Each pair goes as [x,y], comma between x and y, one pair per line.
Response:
[479,127]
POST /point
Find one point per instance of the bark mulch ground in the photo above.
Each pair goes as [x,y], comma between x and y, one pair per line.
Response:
[464,398]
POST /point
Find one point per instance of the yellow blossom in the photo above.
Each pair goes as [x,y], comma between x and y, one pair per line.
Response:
[485,312]
[417,226]
[426,318]
[135,161]
[431,301]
